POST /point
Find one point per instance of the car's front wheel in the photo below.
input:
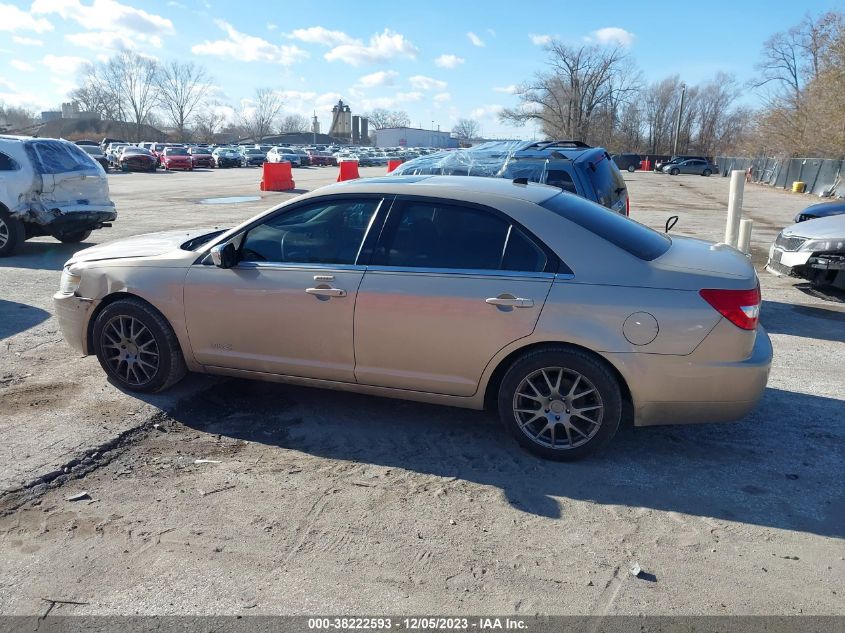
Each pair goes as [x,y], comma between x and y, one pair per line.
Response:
[560,403]
[674,172]
[137,347]
[631,168]
[12,233]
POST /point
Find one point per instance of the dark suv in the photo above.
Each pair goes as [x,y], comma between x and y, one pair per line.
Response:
[629,162]
[573,166]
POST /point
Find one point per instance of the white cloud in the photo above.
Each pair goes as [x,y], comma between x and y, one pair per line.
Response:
[21,65]
[509,90]
[442,97]
[66,65]
[421,82]
[540,39]
[105,15]
[178,5]
[323,36]
[248,48]
[271,26]
[27,41]
[612,35]
[14,19]
[396,100]
[114,40]
[382,47]
[380,78]
[449,61]
[476,41]
[489,111]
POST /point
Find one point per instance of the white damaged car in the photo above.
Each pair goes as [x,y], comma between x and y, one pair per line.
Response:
[49,187]
[813,250]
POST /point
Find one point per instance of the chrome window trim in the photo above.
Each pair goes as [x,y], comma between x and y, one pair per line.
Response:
[461,272]
[297,266]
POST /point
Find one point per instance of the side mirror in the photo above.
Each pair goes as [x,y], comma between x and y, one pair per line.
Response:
[224,255]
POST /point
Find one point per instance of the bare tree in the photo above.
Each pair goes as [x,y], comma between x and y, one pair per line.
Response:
[182,86]
[259,118]
[295,123]
[380,118]
[15,119]
[581,84]
[206,122]
[466,129]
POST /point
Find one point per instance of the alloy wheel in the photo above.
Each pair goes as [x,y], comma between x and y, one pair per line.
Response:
[4,233]
[558,408]
[131,350]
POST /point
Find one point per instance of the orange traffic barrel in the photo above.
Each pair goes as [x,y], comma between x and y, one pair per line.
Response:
[277,177]
[348,170]
[393,163]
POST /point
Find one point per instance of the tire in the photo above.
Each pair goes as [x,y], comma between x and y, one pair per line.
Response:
[632,169]
[562,437]
[144,374]
[674,172]
[12,233]
[73,238]
[706,172]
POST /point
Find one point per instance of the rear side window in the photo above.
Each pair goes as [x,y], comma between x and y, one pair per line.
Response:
[608,183]
[7,163]
[54,157]
[434,235]
[629,235]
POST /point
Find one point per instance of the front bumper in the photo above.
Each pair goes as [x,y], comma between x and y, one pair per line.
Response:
[73,313]
[782,263]
[699,387]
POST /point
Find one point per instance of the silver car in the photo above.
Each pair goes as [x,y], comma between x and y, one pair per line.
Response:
[463,291]
[695,166]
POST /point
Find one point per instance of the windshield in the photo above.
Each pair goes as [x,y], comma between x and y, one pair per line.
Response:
[177,151]
[254,151]
[91,149]
[136,150]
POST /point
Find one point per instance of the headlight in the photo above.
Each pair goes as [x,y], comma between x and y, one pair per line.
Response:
[824,245]
[70,282]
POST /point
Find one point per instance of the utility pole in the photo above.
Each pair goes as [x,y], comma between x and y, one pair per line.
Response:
[678,120]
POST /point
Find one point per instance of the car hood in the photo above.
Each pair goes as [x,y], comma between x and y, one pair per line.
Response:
[825,209]
[830,227]
[147,245]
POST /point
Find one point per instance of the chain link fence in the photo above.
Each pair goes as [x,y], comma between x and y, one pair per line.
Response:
[822,176]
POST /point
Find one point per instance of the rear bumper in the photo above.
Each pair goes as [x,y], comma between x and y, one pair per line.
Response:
[80,218]
[73,314]
[695,388]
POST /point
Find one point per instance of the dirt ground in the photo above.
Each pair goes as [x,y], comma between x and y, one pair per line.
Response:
[306,501]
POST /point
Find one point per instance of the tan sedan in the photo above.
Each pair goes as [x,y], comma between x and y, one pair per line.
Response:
[461,291]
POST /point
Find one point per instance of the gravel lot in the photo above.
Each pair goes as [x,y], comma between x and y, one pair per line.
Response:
[322,502]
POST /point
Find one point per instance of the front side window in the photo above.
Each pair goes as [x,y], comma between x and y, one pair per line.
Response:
[328,232]
[434,235]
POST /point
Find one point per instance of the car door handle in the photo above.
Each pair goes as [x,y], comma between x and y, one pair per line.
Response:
[510,301]
[326,292]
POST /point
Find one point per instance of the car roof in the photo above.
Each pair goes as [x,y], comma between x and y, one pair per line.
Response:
[445,187]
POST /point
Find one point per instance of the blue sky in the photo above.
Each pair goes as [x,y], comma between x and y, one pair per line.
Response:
[438,61]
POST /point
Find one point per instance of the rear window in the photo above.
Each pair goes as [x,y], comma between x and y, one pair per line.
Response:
[608,183]
[629,235]
[56,157]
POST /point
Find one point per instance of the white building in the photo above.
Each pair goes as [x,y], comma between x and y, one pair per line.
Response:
[412,137]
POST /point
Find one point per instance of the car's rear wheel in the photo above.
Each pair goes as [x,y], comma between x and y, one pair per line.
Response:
[74,237]
[137,347]
[706,172]
[12,233]
[560,404]
[632,169]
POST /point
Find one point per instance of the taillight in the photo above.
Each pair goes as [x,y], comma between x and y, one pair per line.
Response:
[628,207]
[740,307]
